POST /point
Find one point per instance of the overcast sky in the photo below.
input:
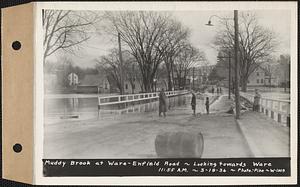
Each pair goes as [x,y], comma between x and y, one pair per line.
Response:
[201,35]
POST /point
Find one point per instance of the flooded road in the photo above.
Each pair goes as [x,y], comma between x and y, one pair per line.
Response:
[132,134]
[77,107]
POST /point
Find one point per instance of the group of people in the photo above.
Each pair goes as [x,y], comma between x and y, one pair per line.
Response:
[163,102]
[193,103]
[218,90]
[162,99]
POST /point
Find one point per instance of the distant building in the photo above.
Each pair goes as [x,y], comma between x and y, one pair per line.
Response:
[161,83]
[203,72]
[73,79]
[93,83]
[132,88]
[261,77]
[257,77]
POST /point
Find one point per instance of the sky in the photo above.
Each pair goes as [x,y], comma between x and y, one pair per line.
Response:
[201,36]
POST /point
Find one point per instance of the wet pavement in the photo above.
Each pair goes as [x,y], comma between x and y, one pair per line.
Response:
[132,135]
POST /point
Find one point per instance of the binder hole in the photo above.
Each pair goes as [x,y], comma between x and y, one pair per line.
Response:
[17,148]
[16,45]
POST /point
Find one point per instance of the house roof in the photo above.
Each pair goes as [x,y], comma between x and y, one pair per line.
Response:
[92,80]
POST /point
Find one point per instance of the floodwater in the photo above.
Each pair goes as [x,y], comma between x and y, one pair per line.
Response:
[73,108]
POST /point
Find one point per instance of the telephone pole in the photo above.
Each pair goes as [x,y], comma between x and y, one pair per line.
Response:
[236,47]
[193,78]
[229,78]
[121,65]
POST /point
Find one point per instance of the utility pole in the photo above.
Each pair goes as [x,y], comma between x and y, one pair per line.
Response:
[193,78]
[121,65]
[229,72]
[229,78]
[236,47]
[286,70]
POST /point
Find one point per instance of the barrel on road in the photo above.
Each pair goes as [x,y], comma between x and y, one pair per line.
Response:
[179,145]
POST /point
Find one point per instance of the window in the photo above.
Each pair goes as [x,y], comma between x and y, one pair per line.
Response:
[105,86]
[257,73]
[126,86]
[262,81]
[257,81]
[269,80]
[133,86]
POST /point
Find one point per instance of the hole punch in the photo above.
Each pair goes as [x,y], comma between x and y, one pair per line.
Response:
[17,148]
[16,45]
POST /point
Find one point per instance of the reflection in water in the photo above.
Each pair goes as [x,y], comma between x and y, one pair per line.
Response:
[87,108]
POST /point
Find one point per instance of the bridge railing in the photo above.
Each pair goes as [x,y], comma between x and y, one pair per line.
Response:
[278,110]
[118,99]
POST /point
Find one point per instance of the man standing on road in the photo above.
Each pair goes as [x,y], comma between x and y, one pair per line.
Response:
[162,103]
[193,103]
[257,97]
[207,105]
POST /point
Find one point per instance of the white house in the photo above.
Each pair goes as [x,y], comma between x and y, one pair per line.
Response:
[260,77]
[73,79]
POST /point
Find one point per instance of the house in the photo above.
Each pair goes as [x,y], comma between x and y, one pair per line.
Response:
[72,79]
[93,83]
[132,87]
[257,77]
[203,72]
[261,77]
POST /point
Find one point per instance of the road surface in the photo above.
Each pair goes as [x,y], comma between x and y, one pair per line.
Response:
[133,135]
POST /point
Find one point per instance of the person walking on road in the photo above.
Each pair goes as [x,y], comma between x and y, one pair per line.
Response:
[257,97]
[207,105]
[162,103]
[193,103]
[212,90]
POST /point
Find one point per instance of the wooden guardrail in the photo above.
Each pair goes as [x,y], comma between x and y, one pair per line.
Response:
[118,99]
[278,110]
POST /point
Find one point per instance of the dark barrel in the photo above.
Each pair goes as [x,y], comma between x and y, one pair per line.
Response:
[179,145]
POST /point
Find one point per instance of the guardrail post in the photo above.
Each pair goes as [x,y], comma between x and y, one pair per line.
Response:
[267,108]
[288,122]
[278,112]
[99,102]
[272,109]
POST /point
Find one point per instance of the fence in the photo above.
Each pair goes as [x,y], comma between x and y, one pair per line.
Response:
[119,99]
[278,110]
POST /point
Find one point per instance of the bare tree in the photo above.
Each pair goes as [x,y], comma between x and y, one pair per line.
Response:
[283,70]
[188,57]
[66,30]
[175,38]
[270,67]
[142,32]
[111,65]
[131,72]
[256,44]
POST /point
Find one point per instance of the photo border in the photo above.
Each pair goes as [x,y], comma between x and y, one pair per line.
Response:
[178,6]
